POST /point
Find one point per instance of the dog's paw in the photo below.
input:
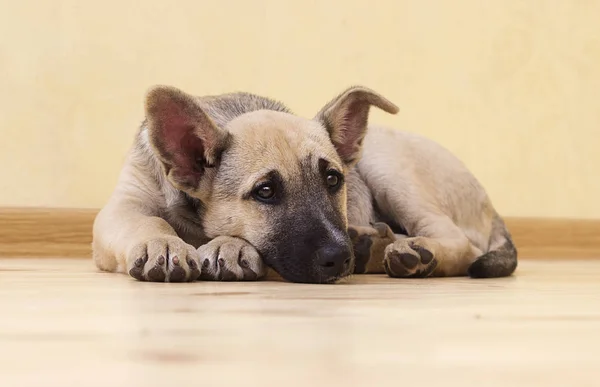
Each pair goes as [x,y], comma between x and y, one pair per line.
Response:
[369,244]
[361,245]
[230,259]
[164,259]
[409,258]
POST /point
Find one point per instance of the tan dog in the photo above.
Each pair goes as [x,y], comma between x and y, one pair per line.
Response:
[222,187]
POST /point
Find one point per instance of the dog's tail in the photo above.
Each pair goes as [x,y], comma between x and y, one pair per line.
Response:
[501,259]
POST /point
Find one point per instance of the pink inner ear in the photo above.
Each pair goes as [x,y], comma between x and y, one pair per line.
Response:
[345,146]
[184,147]
[352,127]
[174,124]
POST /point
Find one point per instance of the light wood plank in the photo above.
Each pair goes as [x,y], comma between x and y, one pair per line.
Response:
[64,324]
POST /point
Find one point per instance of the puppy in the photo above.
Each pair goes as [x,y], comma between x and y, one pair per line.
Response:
[225,187]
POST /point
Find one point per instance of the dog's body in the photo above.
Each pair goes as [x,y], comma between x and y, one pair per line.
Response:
[220,188]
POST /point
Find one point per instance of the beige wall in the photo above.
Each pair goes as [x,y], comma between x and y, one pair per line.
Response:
[513,87]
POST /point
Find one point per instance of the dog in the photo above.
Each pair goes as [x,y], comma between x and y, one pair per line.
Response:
[226,187]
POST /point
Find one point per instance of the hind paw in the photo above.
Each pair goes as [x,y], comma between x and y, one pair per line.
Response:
[409,258]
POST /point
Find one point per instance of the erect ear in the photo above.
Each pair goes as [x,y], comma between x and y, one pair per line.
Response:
[346,118]
[185,138]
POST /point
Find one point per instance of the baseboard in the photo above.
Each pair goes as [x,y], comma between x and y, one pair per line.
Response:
[49,232]
[46,232]
[547,238]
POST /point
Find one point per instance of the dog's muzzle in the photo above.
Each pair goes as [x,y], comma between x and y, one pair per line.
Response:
[332,262]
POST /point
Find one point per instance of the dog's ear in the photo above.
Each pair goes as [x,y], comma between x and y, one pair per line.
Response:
[186,139]
[346,118]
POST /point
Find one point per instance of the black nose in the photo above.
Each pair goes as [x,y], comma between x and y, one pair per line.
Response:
[333,260]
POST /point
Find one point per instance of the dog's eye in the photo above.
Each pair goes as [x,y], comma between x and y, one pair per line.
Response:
[264,192]
[334,179]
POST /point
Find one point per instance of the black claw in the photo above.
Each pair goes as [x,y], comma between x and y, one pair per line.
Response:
[139,262]
[177,274]
[137,273]
[226,275]
[194,275]
[191,263]
[157,274]
[161,260]
[249,275]
[206,263]
[206,276]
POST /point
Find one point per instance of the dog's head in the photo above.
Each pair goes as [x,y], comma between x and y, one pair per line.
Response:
[269,177]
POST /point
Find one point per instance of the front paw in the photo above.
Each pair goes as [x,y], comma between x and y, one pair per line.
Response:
[163,259]
[230,259]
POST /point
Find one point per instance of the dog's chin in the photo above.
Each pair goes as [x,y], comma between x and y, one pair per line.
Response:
[335,280]
[311,278]
[344,275]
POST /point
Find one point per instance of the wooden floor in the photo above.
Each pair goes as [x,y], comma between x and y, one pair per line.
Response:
[64,324]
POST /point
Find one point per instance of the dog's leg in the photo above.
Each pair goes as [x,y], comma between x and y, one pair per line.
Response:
[452,226]
[230,259]
[439,248]
[148,248]
[129,238]
[369,239]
